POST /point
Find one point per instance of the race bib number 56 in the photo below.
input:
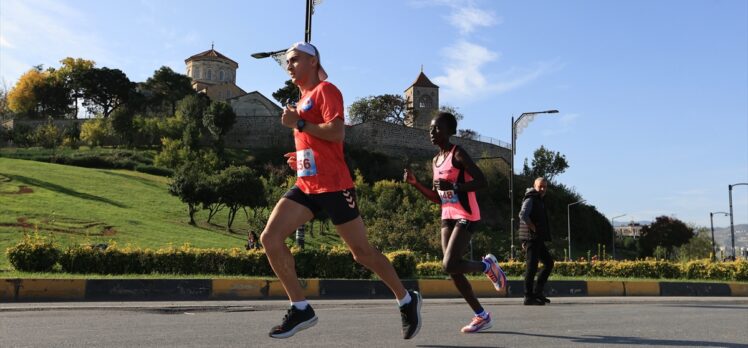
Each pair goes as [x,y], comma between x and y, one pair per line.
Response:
[305,165]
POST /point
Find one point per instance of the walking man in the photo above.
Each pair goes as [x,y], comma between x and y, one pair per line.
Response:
[534,231]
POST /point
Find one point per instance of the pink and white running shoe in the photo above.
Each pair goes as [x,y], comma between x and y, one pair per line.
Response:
[478,324]
[495,273]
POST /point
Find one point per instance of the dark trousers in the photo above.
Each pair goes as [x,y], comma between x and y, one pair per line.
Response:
[536,250]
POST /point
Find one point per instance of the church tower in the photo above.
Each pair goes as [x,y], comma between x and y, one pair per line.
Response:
[214,74]
[422,99]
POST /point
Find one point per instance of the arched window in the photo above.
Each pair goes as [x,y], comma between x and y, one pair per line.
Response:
[196,73]
[425,102]
[210,74]
[220,75]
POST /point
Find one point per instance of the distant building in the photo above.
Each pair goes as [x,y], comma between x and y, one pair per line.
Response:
[257,117]
[422,101]
[633,229]
[214,74]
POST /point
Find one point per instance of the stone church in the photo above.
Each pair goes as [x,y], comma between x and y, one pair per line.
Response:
[257,123]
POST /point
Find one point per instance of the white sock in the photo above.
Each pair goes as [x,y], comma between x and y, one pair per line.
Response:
[405,300]
[300,305]
[483,314]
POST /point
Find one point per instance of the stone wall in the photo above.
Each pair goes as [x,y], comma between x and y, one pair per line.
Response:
[259,132]
[396,140]
[257,127]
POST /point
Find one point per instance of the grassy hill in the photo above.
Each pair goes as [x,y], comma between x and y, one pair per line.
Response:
[83,205]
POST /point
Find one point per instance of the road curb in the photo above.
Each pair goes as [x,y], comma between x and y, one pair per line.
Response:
[38,290]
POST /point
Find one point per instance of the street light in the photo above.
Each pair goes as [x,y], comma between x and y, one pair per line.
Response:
[310,4]
[568,224]
[732,227]
[517,126]
[612,221]
[711,222]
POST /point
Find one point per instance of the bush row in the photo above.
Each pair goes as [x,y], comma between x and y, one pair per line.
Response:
[115,160]
[34,254]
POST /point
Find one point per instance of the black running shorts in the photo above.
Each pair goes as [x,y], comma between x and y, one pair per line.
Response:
[340,206]
[466,224]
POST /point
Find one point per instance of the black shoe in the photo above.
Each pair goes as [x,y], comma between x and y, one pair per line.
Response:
[294,321]
[542,298]
[533,301]
[411,315]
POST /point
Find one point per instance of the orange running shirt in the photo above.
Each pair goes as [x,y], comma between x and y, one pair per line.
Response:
[320,163]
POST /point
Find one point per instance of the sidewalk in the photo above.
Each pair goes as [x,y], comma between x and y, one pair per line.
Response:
[38,290]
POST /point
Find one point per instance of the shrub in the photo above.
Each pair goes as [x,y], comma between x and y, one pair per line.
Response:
[97,132]
[47,136]
[33,254]
[154,170]
[404,262]
[430,269]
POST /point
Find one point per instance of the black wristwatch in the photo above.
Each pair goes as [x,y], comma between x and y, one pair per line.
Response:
[300,123]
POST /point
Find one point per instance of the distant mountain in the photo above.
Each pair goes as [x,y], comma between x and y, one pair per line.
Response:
[722,236]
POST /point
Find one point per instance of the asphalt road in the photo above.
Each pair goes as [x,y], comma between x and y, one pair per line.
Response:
[568,322]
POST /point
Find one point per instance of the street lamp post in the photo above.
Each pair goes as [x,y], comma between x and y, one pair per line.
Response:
[568,224]
[612,221]
[732,226]
[711,222]
[310,4]
[517,126]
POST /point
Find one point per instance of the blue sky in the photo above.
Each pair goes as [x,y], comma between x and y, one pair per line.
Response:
[653,95]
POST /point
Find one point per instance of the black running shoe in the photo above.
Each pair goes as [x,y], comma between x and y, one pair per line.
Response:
[411,315]
[533,301]
[294,321]
[542,298]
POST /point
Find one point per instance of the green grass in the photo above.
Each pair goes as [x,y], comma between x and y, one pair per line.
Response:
[75,205]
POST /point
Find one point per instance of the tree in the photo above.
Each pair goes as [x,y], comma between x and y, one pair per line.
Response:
[387,107]
[122,124]
[239,187]
[104,90]
[53,97]
[288,94]
[452,110]
[698,247]
[71,74]
[665,232]
[186,184]
[218,119]
[168,87]
[5,112]
[190,111]
[467,134]
[546,163]
[38,94]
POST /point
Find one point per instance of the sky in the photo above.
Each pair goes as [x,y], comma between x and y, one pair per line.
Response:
[653,95]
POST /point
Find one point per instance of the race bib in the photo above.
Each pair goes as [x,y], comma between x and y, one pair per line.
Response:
[305,165]
[448,196]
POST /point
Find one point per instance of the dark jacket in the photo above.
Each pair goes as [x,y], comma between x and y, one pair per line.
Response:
[537,215]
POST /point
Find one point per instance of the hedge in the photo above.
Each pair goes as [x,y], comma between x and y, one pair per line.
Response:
[35,254]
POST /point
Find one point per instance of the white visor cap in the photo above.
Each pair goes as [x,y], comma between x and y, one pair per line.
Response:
[312,51]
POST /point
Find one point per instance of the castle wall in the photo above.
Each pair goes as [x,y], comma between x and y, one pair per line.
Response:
[396,140]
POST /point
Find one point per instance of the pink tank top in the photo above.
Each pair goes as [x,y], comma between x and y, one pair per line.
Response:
[455,205]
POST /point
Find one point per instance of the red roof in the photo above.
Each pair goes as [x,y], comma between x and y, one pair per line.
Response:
[423,81]
[211,53]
